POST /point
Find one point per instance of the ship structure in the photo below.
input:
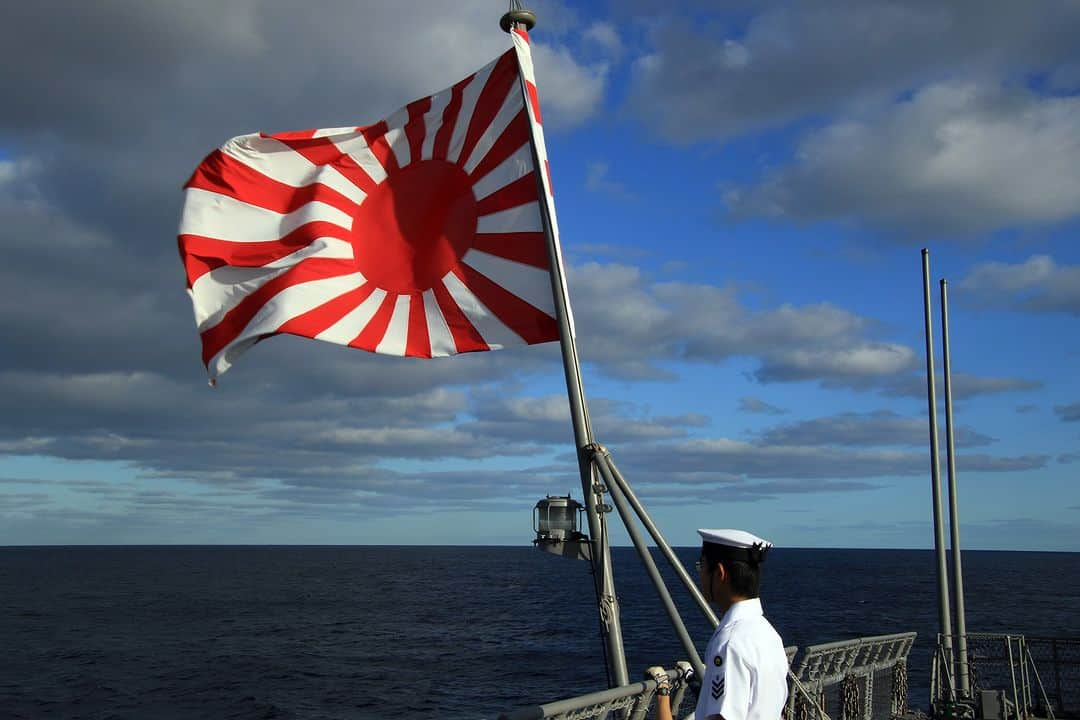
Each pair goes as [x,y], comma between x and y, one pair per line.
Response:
[973,675]
[979,676]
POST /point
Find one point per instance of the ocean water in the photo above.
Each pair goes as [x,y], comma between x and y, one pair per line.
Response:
[427,632]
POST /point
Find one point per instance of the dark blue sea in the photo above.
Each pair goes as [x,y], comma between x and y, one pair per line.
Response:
[426,632]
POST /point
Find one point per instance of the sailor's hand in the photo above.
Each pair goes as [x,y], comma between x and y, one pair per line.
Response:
[686,671]
[659,674]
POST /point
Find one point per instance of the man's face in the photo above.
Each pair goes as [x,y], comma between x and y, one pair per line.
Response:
[704,575]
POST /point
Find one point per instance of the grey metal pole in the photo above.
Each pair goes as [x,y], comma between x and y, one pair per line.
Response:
[661,542]
[607,602]
[954,503]
[944,622]
[650,565]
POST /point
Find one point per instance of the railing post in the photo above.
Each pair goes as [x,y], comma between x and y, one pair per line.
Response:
[1012,672]
[934,670]
[1057,674]
[1025,673]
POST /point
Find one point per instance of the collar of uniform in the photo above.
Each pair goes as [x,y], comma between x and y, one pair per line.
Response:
[740,610]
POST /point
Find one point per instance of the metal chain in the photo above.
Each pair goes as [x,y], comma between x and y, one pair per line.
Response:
[849,698]
[802,709]
[868,698]
[806,707]
[899,688]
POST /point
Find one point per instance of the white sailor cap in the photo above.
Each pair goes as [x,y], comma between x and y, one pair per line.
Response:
[737,543]
[733,538]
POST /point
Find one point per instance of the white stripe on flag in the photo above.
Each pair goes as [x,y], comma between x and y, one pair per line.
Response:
[510,108]
[442,341]
[330,132]
[433,121]
[524,56]
[218,216]
[220,290]
[278,161]
[517,165]
[529,283]
[523,218]
[397,332]
[395,135]
[356,147]
[289,303]
[494,332]
[469,95]
[345,330]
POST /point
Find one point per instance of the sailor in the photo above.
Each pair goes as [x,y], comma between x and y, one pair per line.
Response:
[745,663]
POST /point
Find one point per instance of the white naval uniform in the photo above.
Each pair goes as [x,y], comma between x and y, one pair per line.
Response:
[745,668]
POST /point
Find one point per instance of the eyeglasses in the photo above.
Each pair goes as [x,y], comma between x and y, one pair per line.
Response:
[699,565]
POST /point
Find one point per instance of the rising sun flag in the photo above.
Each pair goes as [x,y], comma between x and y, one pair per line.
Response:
[421,235]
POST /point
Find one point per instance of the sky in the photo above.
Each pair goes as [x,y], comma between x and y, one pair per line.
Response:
[742,193]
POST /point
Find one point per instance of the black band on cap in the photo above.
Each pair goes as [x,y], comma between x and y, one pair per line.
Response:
[755,554]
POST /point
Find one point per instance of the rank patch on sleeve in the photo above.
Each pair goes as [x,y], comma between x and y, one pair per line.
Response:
[717,688]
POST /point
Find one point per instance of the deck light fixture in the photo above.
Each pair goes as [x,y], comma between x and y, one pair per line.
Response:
[556,522]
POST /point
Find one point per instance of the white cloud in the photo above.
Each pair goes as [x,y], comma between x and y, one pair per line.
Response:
[630,324]
[703,80]
[750,404]
[258,64]
[1038,284]
[570,92]
[604,36]
[956,157]
[547,420]
[715,460]
[8,171]
[865,360]
[598,179]
[878,428]
[964,385]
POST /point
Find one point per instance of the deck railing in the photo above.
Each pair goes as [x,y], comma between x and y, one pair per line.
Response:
[631,701]
[1011,676]
[860,679]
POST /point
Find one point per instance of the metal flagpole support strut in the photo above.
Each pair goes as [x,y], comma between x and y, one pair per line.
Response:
[661,542]
[600,458]
[592,489]
[962,676]
[944,622]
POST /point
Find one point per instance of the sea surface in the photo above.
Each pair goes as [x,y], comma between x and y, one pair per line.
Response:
[427,632]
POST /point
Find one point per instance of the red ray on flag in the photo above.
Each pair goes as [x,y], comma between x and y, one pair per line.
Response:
[420,235]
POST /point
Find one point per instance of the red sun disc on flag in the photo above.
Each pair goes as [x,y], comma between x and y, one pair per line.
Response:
[415,227]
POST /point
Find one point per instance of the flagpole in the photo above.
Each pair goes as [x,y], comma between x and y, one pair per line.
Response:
[591,487]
